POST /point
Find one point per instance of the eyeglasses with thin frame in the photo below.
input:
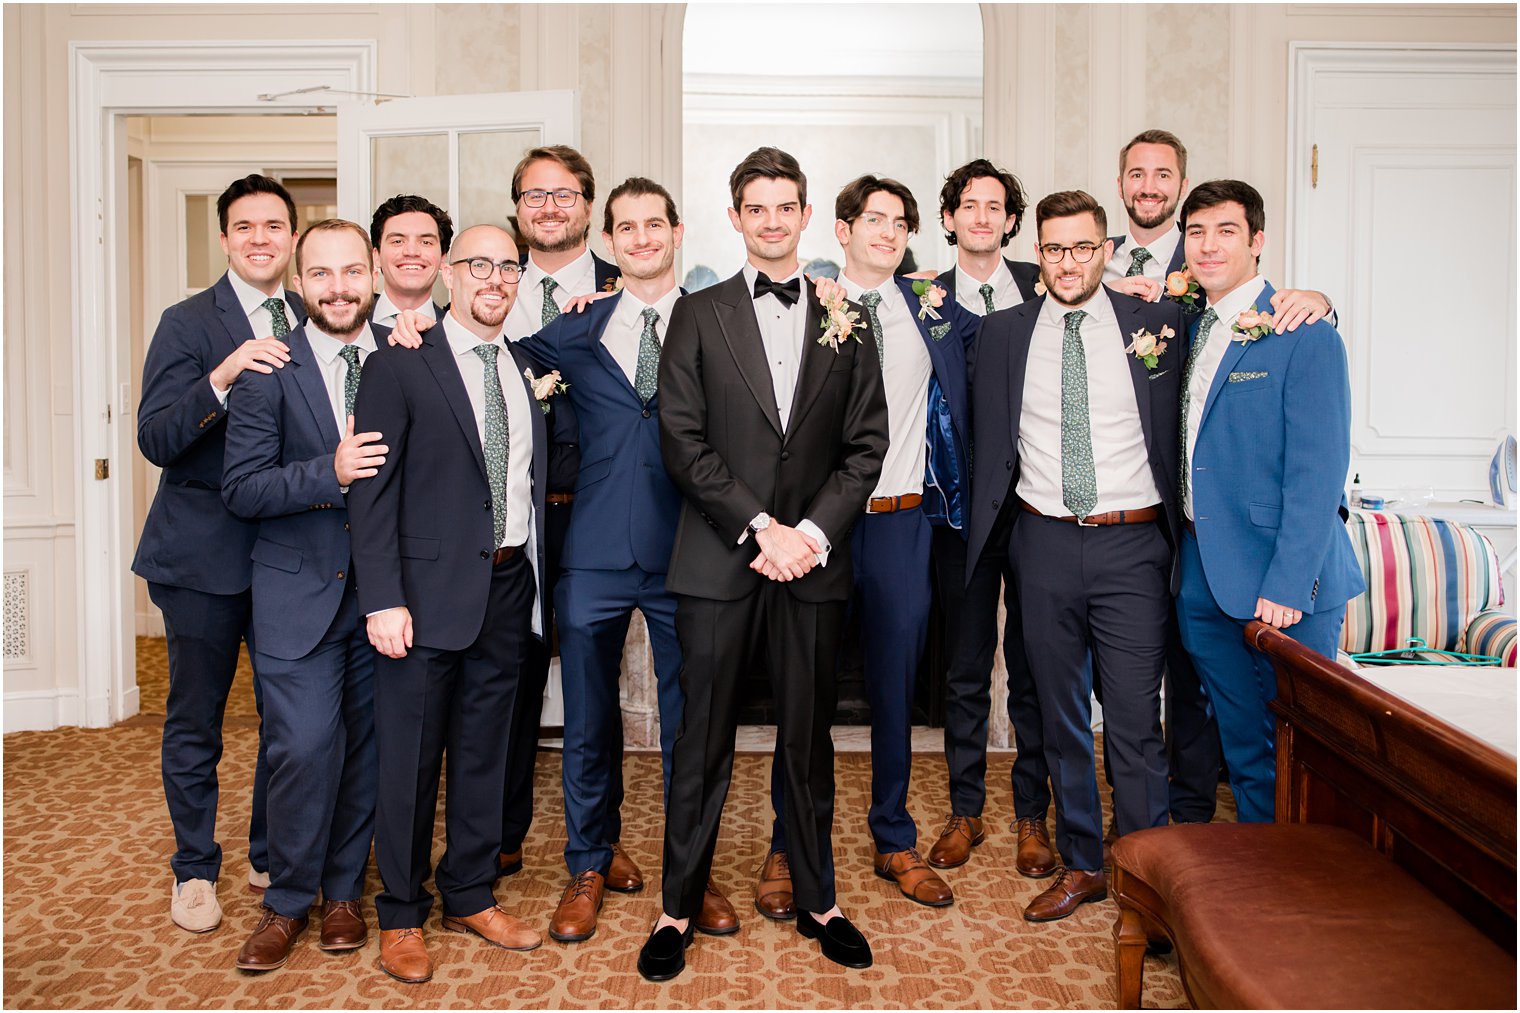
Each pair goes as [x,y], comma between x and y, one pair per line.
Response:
[562,198]
[1082,253]
[481,269]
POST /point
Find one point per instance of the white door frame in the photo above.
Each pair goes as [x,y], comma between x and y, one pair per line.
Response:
[109,80]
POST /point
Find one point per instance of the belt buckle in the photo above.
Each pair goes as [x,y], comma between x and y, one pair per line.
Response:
[1081,523]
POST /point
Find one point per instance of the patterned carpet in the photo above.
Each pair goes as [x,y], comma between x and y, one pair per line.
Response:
[86,921]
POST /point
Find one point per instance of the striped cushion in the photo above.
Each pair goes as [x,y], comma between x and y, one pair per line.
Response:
[1426,578]
[1493,632]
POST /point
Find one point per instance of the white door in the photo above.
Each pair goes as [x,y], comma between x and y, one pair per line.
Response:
[1402,187]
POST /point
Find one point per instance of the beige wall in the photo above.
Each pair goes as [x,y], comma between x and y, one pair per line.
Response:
[1066,85]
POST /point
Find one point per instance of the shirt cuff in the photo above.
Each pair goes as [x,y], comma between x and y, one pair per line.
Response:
[814,532]
[370,615]
[221,395]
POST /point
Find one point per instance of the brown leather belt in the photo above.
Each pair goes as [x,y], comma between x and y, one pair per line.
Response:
[559,498]
[1144,515]
[892,504]
[505,553]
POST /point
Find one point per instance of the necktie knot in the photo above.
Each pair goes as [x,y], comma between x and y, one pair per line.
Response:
[1137,262]
[1074,320]
[787,291]
[651,316]
[277,317]
[986,291]
[1205,323]
[870,300]
[350,354]
[487,352]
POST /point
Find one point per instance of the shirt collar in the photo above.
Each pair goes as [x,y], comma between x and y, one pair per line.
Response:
[751,272]
[1243,298]
[385,308]
[630,308]
[1098,308]
[582,269]
[853,291]
[1162,248]
[461,339]
[249,297]
[326,347]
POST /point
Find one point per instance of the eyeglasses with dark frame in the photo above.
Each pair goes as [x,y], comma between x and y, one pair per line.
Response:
[562,198]
[1082,253]
[481,269]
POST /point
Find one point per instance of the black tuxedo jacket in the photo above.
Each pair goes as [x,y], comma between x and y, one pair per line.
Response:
[997,402]
[723,445]
[422,532]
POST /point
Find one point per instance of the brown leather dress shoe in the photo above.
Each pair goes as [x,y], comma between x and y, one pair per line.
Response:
[773,894]
[914,877]
[1072,888]
[574,920]
[509,863]
[717,917]
[270,945]
[1032,856]
[961,834]
[342,925]
[498,928]
[623,874]
[403,955]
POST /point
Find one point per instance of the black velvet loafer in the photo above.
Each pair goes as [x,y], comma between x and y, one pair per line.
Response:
[840,941]
[664,953]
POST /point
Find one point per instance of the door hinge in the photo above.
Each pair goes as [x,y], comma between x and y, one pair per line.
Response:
[1314,169]
[102,469]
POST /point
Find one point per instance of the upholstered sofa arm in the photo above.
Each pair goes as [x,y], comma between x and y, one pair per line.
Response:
[1492,632]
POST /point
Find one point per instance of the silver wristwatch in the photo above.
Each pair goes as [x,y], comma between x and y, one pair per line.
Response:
[760,523]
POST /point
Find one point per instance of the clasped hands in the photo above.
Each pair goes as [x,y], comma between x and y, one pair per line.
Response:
[785,553]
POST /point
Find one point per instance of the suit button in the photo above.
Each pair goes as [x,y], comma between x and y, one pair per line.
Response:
[345,525]
[1008,465]
[488,504]
[646,413]
[995,504]
[340,574]
[786,455]
[485,554]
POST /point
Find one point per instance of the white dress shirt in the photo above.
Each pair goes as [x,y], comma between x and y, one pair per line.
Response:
[625,328]
[1121,463]
[259,318]
[1162,249]
[1206,365]
[386,312]
[905,372]
[1005,291]
[576,278]
[334,369]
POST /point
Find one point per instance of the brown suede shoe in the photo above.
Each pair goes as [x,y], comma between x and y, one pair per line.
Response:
[574,920]
[270,945]
[498,928]
[509,863]
[1072,888]
[403,955]
[623,874]
[1032,856]
[914,877]
[342,925]
[773,894]
[961,834]
[717,917]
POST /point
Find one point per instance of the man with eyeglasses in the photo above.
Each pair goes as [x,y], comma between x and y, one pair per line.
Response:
[447,543]
[1075,414]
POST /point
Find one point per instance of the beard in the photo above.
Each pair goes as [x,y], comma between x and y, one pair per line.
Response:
[1090,286]
[577,229]
[1162,214]
[327,323]
[489,316]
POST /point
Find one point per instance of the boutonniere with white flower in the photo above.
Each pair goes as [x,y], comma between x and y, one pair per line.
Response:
[840,323]
[546,386]
[613,284]
[1251,325]
[1039,286]
[1148,347]
[930,298]
[1182,288]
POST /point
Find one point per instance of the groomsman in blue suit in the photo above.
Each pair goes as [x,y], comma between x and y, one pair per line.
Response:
[409,234]
[194,553]
[618,547]
[291,455]
[1266,444]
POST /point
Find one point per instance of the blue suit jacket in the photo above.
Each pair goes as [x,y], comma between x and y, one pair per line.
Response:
[281,439]
[189,538]
[422,533]
[947,465]
[1024,276]
[1269,468]
[626,507]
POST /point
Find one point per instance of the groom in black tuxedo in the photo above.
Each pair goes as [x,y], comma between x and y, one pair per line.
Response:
[775,440]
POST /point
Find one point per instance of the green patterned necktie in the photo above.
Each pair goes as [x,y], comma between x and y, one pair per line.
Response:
[1079,482]
[1137,262]
[986,291]
[496,440]
[1205,322]
[870,300]
[350,355]
[550,311]
[646,376]
[276,308]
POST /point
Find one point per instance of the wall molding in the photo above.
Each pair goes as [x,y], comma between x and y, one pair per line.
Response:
[42,710]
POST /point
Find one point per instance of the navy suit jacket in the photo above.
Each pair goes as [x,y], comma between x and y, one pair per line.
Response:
[422,531]
[190,539]
[280,445]
[998,403]
[626,506]
[1024,276]
[1179,255]
[947,467]
[1269,472]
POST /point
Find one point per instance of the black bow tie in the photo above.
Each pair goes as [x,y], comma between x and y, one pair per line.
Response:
[787,291]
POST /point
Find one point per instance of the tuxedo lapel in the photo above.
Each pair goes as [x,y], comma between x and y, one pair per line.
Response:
[440,359]
[817,360]
[735,310]
[308,377]
[1130,321]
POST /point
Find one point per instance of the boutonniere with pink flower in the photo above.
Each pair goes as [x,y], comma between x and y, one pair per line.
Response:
[1148,347]
[545,387]
[1181,287]
[1039,287]
[1251,325]
[840,323]
[930,298]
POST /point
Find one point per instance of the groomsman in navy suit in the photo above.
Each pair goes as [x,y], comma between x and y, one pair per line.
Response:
[410,235]
[194,553]
[618,548]
[1266,444]
[981,208]
[292,454]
